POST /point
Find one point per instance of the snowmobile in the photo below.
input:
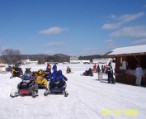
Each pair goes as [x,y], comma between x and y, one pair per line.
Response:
[87,73]
[57,88]
[68,70]
[26,88]
[16,72]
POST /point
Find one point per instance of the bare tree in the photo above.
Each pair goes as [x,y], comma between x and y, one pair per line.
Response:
[11,56]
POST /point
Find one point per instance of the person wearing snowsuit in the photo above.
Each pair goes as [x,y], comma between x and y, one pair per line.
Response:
[68,70]
[16,71]
[94,68]
[28,82]
[54,68]
[41,80]
[47,75]
[102,68]
[53,74]
[48,72]
[139,75]
[57,80]
[98,68]
[9,69]
[48,68]
[88,72]
[109,72]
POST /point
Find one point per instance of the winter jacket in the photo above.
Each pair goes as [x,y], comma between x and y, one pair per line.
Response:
[41,80]
[138,72]
[109,70]
[54,68]
[58,77]
[48,67]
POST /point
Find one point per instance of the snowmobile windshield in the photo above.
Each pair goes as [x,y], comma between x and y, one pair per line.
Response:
[27,77]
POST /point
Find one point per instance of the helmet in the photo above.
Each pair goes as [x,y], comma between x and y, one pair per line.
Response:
[59,72]
[40,72]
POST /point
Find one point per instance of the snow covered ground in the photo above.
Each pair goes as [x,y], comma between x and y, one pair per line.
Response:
[88,98]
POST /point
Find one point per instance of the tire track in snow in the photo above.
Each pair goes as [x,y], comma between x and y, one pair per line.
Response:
[108,90]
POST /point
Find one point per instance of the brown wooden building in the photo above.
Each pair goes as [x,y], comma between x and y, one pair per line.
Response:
[126,59]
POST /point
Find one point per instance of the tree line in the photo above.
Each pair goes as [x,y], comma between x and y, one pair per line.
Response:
[12,56]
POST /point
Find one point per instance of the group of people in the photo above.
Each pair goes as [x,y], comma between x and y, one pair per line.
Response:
[107,70]
[44,79]
[104,69]
[51,77]
[98,69]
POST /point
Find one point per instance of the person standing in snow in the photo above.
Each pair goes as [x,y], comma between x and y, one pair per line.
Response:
[138,74]
[94,68]
[98,69]
[102,69]
[48,68]
[54,68]
[109,71]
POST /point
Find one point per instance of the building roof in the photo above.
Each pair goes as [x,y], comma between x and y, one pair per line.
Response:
[130,50]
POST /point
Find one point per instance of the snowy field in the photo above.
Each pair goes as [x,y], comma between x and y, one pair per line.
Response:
[88,98]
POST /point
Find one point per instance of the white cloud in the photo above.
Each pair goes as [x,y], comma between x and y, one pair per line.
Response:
[55,43]
[110,44]
[109,41]
[132,32]
[53,30]
[121,20]
[112,16]
[111,26]
[130,17]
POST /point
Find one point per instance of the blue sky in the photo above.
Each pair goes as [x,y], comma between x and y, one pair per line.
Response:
[72,27]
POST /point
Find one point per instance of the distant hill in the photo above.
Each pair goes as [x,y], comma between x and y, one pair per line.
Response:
[42,58]
[90,57]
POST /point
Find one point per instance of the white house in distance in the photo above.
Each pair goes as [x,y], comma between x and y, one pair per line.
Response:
[75,60]
[101,60]
[28,61]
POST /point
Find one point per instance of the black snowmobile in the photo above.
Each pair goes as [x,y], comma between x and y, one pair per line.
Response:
[27,87]
[57,88]
[16,72]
